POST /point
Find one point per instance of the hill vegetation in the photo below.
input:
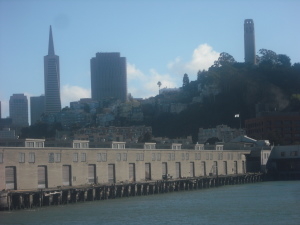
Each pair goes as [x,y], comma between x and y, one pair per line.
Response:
[228,88]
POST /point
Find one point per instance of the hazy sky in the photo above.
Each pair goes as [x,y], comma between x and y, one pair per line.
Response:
[161,39]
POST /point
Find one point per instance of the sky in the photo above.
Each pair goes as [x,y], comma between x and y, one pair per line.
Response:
[161,40]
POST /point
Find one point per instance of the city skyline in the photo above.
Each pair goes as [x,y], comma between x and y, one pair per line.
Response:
[161,40]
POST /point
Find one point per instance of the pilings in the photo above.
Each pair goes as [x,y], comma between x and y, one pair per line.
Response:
[11,200]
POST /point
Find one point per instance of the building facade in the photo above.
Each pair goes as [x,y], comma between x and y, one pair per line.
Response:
[108,77]
[249,41]
[275,126]
[223,132]
[34,166]
[18,110]
[52,79]
[37,104]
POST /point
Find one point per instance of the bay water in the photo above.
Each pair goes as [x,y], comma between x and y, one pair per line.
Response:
[259,203]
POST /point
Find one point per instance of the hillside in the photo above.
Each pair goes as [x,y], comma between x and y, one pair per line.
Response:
[226,89]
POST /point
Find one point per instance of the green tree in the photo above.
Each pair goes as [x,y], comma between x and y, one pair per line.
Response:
[267,56]
[224,59]
[283,60]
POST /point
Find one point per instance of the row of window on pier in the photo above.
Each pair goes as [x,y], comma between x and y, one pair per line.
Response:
[68,177]
[102,157]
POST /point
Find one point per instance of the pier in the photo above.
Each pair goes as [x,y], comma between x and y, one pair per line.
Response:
[27,199]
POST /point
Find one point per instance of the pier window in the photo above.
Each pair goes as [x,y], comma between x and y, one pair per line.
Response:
[118,156]
[187,156]
[31,158]
[139,156]
[220,156]
[173,156]
[239,156]
[153,156]
[39,144]
[51,157]
[76,145]
[293,153]
[147,171]
[29,144]
[182,156]
[124,156]
[104,157]
[210,156]
[207,156]
[21,157]
[83,157]
[158,156]
[98,157]
[57,157]
[75,157]
[169,156]
[197,156]
[1,157]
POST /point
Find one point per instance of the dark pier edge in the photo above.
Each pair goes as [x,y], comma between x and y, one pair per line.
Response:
[26,199]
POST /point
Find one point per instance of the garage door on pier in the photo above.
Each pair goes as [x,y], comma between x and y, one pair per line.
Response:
[92,174]
[42,177]
[131,172]
[178,170]
[10,178]
[111,173]
[66,170]
[147,171]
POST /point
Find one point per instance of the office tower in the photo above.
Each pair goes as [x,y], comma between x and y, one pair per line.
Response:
[36,108]
[52,79]
[108,77]
[18,110]
[249,41]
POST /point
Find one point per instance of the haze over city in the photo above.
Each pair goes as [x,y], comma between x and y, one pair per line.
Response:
[160,40]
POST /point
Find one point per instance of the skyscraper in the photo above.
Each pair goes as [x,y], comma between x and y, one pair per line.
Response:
[108,77]
[36,108]
[52,79]
[18,110]
[249,41]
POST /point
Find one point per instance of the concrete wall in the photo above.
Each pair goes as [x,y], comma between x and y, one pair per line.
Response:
[27,172]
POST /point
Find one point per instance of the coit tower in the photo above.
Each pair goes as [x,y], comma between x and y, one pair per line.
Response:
[249,41]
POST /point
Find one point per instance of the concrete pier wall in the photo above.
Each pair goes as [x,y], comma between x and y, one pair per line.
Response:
[92,166]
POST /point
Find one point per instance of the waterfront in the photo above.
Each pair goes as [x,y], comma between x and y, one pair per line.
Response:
[258,203]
